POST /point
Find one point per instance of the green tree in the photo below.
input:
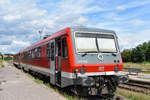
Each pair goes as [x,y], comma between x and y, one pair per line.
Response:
[148,53]
[144,47]
[138,54]
[1,56]
[126,55]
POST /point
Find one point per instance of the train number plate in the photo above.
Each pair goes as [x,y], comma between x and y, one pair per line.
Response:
[101,68]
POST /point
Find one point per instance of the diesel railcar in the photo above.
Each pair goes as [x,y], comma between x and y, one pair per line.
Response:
[87,60]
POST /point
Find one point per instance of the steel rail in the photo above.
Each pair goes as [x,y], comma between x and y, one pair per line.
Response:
[137,86]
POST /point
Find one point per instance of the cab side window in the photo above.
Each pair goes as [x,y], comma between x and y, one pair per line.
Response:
[64,48]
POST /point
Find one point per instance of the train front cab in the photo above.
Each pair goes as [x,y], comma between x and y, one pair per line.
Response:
[87,60]
[96,61]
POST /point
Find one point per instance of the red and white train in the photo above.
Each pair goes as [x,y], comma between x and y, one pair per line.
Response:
[85,59]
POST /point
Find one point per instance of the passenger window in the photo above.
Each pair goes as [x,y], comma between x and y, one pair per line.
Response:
[52,52]
[48,50]
[59,48]
[32,54]
[35,53]
[39,50]
[64,48]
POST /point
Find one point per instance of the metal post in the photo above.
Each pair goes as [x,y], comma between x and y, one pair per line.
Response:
[40,32]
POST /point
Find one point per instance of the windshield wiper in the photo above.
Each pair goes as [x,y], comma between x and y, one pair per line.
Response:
[113,53]
[85,53]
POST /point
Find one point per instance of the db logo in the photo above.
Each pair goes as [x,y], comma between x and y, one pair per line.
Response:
[100,57]
[101,68]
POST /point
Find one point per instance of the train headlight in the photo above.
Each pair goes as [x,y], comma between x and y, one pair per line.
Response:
[76,70]
[82,70]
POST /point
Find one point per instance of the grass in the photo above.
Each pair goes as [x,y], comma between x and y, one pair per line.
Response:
[39,80]
[133,95]
[144,66]
[1,64]
[10,62]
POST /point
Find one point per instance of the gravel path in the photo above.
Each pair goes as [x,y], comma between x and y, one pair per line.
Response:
[16,85]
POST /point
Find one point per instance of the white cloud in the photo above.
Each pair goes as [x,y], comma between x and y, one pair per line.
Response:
[78,7]
[3,48]
[11,17]
[21,43]
[132,4]
[127,40]
[82,20]
[138,22]
[14,47]
[120,8]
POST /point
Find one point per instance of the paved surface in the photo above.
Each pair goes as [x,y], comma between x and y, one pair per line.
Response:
[15,85]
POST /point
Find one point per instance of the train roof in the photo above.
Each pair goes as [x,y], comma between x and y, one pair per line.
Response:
[59,33]
[90,29]
[63,31]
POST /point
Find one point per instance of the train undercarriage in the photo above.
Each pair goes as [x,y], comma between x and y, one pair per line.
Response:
[104,86]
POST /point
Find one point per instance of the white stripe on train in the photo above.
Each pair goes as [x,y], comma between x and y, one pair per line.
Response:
[67,74]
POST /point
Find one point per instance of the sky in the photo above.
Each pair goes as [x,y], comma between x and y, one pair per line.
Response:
[21,20]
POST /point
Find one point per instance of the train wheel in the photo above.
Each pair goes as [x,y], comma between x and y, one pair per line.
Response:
[80,91]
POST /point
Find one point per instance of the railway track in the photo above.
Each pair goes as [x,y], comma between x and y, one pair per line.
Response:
[137,86]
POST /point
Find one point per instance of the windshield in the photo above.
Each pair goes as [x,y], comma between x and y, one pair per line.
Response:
[90,42]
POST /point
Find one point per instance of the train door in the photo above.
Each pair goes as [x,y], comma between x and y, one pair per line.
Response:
[58,56]
[61,56]
[58,62]
[52,62]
